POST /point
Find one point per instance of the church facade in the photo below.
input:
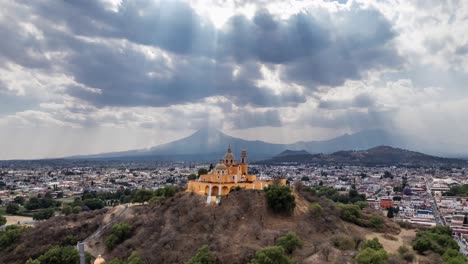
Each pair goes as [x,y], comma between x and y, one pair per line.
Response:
[226,176]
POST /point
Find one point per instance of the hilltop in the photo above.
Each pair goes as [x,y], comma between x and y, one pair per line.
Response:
[172,231]
[380,155]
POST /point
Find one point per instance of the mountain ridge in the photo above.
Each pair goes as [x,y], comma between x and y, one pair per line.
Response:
[379,155]
[210,144]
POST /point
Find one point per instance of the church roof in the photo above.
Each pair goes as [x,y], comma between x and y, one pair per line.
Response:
[220,167]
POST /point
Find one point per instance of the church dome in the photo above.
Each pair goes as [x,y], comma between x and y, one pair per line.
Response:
[229,157]
[220,167]
[100,260]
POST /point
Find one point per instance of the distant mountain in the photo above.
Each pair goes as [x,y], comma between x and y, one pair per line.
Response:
[288,153]
[210,145]
[381,155]
[205,144]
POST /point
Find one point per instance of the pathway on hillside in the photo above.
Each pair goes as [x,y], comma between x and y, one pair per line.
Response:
[99,231]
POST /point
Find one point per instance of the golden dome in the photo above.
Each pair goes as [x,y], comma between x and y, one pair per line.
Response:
[99,260]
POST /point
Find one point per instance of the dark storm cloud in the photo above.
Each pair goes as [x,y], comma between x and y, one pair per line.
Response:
[267,39]
[311,50]
[362,42]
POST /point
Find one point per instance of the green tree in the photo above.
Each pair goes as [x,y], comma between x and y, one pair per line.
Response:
[94,203]
[134,259]
[115,261]
[372,256]
[353,193]
[60,255]
[44,214]
[67,210]
[202,171]
[421,244]
[289,242]
[12,208]
[316,210]
[10,235]
[203,256]
[19,200]
[31,261]
[376,221]
[390,212]
[271,255]
[141,196]
[350,212]
[76,209]
[280,198]
[3,220]
[192,177]
[120,232]
[361,204]
[387,174]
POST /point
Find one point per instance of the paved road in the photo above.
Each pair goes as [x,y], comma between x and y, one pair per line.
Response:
[435,211]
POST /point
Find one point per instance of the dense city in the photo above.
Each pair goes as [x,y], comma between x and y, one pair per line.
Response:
[422,196]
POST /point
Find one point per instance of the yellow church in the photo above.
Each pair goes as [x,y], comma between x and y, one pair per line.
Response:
[227,175]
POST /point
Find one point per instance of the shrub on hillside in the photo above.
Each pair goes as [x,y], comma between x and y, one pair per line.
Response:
[133,259]
[372,256]
[44,214]
[452,256]
[280,198]
[12,208]
[343,242]
[203,256]
[376,221]
[373,243]
[10,235]
[350,212]
[437,239]
[268,255]
[120,232]
[316,210]
[289,242]
[60,255]
[3,220]
[94,203]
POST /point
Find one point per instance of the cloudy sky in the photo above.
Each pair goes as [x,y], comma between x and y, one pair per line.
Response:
[90,76]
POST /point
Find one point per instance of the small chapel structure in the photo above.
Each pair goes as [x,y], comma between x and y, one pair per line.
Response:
[226,176]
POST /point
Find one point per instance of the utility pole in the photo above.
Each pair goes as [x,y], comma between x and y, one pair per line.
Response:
[81,251]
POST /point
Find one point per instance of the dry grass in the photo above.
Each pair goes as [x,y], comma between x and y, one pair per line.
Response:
[14,219]
[392,244]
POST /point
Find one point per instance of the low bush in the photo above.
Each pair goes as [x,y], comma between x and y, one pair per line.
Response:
[373,243]
[289,242]
[120,232]
[280,199]
[271,255]
[343,242]
[372,256]
[203,256]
